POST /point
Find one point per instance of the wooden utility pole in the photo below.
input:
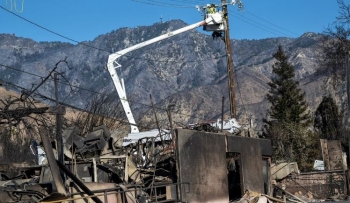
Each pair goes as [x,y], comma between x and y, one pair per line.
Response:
[230,68]
[58,123]
[347,122]
[347,68]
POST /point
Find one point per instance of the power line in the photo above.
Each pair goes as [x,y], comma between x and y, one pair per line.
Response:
[91,91]
[279,27]
[88,90]
[188,1]
[39,25]
[53,32]
[85,44]
[92,46]
[158,3]
[258,25]
[272,23]
[71,106]
[29,73]
[262,28]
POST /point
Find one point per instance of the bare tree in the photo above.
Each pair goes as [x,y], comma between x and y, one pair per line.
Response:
[20,116]
[336,45]
[18,122]
[101,109]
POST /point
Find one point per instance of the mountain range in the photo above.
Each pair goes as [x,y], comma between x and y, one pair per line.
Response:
[188,70]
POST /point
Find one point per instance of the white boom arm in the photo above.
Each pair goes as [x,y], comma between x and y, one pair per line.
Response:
[212,19]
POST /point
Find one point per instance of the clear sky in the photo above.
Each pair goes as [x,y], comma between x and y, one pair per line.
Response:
[83,20]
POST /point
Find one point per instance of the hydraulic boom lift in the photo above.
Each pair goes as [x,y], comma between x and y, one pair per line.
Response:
[213,22]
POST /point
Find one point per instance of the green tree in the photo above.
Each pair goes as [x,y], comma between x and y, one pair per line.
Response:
[327,121]
[293,143]
[287,100]
[288,116]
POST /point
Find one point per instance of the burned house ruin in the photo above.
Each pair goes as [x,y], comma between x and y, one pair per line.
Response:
[183,166]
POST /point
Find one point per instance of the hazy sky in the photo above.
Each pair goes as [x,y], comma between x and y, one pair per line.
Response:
[83,20]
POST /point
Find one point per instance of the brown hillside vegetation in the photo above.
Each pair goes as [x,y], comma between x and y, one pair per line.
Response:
[22,121]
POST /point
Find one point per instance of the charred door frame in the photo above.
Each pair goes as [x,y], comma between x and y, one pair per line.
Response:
[267,188]
[234,173]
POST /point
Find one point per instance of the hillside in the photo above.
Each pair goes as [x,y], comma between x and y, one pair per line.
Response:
[188,70]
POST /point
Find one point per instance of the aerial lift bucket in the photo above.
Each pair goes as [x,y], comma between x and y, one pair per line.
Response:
[217,23]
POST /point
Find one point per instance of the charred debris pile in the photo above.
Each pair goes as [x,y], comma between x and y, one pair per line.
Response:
[99,157]
[114,166]
[181,165]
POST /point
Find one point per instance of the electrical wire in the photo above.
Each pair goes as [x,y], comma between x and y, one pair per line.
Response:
[162,3]
[127,55]
[247,20]
[189,1]
[29,73]
[256,24]
[91,91]
[84,110]
[53,32]
[87,45]
[157,3]
[39,25]
[71,106]
[271,23]
[94,92]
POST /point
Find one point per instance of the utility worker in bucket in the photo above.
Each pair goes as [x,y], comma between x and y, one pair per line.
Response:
[211,9]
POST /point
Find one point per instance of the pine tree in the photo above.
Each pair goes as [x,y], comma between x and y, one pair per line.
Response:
[327,119]
[288,115]
[287,100]
[293,143]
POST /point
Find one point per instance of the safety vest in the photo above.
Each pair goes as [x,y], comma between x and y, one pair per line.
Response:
[211,10]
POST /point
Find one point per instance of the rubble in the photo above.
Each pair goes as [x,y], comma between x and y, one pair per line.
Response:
[99,167]
[327,183]
[165,166]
